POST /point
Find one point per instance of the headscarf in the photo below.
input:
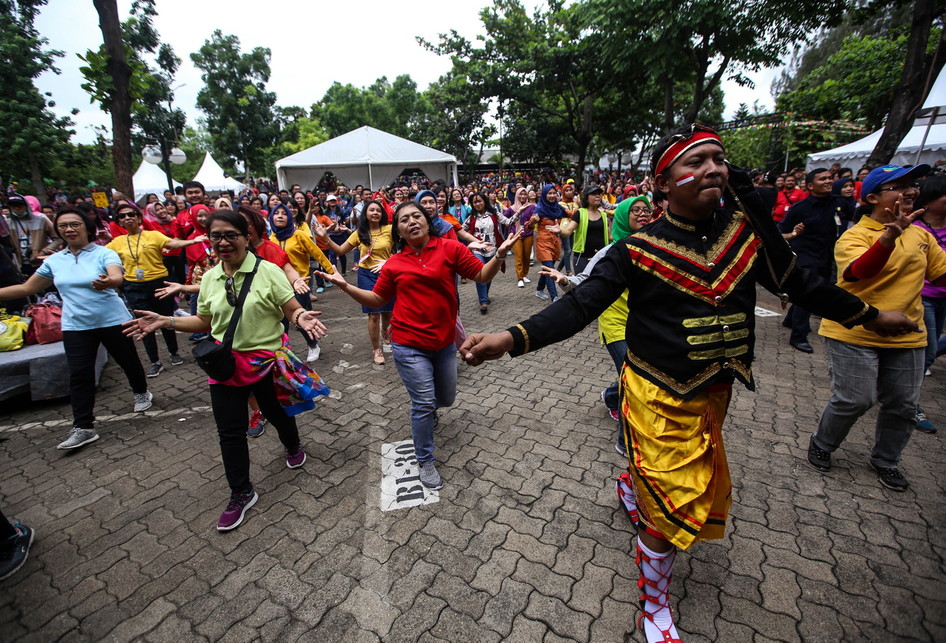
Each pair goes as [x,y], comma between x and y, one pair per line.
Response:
[33,202]
[286,231]
[547,210]
[194,210]
[151,214]
[621,226]
[837,185]
[515,206]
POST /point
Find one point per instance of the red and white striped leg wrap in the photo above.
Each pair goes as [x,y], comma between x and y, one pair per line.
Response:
[656,619]
[625,489]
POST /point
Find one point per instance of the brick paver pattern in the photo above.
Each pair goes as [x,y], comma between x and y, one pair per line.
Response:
[526,544]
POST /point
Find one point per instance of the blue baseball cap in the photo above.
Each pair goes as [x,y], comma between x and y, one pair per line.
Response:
[889,173]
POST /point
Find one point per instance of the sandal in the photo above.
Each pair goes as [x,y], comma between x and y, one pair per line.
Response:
[378,357]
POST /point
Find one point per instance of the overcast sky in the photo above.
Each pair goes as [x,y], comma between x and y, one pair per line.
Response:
[313,44]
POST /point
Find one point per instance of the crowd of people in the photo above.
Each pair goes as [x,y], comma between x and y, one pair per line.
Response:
[667,264]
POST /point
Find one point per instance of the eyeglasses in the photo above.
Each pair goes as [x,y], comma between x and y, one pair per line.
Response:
[229,235]
[129,214]
[231,292]
[900,188]
[638,210]
[70,226]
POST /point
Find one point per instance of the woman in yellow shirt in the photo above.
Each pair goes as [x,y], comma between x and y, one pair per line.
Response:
[300,247]
[145,272]
[373,239]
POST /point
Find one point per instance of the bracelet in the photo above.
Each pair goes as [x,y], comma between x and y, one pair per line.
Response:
[296,316]
[503,258]
[171,322]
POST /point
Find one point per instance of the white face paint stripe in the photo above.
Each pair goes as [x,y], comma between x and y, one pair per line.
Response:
[683,180]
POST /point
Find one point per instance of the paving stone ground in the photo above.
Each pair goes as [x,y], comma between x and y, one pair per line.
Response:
[525,544]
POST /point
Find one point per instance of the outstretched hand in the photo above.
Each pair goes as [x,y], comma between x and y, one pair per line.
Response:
[309,322]
[145,324]
[170,288]
[898,221]
[335,278]
[480,347]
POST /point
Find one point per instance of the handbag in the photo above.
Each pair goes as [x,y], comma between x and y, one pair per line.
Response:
[217,359]
[47,323]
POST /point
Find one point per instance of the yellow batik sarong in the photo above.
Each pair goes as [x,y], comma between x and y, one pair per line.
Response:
[677,460]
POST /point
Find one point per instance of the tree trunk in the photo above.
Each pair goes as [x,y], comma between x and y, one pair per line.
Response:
[911,90]
[120,104]
[668,103]
[36,175]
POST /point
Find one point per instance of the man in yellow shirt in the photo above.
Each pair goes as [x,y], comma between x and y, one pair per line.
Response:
[884,260]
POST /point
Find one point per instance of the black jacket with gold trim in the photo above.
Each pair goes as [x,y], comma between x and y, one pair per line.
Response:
[691,301]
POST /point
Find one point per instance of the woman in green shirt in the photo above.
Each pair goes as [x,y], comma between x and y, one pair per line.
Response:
[283,385]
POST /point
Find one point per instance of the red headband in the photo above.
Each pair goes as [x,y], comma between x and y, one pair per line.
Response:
[677,150]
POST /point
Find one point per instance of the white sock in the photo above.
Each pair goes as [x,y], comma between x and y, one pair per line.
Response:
[626,496]
[658,570]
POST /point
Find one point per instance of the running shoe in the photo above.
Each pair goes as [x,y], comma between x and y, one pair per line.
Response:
[923,423]
[78,438]
[527,280]
[521,284]
[233,515]
[891,477]
[143,401]
[295,459]
[314,353]
[14,551]
[541,294]
[176,360]
[818,457]
[155,369]
[429,476]
[257,425]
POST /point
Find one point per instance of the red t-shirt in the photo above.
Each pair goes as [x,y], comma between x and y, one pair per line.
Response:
[272,253]
[171,230]
[425,310]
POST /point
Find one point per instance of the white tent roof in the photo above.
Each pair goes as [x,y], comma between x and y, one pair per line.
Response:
[855,154]
[367,156]
[150,178]
[213,179]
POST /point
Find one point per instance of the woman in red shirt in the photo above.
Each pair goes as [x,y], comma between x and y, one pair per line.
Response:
[423,331]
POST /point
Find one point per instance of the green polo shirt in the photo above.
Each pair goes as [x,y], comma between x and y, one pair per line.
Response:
[259,327]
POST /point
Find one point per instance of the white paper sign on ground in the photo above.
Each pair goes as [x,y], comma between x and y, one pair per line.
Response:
[765,312]
[400,483]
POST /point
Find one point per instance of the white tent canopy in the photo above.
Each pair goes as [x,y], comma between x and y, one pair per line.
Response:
[150,178]
[213,179]
[365,156]
[927,137]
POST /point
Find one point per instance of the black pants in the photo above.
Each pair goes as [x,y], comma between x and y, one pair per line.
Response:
[140,296]
[82,346]
[230,414]
[6,531]
[177,268]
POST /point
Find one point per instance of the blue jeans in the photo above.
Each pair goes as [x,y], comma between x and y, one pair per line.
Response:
[565,265]
[430,378]
[934,318]
[545,281]
[482,290]
[862,376]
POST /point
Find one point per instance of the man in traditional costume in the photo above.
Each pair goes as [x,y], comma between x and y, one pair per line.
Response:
[691,279]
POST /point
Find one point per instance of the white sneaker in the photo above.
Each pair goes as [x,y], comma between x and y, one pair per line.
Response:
[928,372]
[314,353]
[143,401]
[527,280]
[521,284]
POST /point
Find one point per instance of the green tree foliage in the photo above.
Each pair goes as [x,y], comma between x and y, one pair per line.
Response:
[543,67]
[396,108]
[298,131]
[31,136]
[857,82]
[452,118]
[699,42]
[240,116]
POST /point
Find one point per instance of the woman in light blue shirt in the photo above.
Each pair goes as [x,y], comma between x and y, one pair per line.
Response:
[86,276]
